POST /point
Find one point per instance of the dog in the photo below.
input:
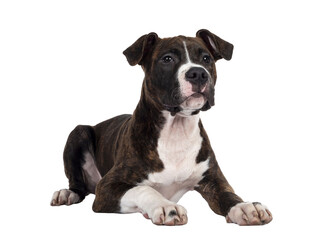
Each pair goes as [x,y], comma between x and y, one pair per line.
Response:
[145,162]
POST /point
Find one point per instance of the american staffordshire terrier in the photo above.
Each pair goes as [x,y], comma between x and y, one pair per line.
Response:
[145,162]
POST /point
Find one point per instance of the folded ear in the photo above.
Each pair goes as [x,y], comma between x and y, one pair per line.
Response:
[218,47]
[139,49]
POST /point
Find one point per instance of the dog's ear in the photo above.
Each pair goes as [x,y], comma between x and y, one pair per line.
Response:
[139,49]
[218,47]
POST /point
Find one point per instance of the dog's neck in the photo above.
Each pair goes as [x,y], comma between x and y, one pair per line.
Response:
[160,119]
[148,110]
[179,141]
[180,127]
[156,124]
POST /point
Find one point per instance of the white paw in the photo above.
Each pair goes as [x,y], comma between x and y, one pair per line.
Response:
[64,197]
[169,215]
[249,214]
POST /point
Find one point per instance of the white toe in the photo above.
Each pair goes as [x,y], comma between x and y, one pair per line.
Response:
[249,214]
[64,197]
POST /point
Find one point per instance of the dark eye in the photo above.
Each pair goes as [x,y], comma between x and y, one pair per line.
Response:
[167,59]
[206,58]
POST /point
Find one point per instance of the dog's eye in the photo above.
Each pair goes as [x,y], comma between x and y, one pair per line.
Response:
[206,58]
[167,59]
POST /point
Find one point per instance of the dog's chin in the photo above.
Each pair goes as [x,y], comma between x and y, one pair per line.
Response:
[193,104]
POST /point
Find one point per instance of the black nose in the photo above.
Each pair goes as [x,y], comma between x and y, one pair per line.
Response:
[197,75]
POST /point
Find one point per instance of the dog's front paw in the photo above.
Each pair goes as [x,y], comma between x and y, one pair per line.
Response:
[249,214]
[64,197]
[169,215]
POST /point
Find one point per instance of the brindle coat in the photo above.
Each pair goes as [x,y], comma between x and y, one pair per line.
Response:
[124,148]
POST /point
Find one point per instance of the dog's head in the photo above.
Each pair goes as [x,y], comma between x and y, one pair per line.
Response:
[180,71]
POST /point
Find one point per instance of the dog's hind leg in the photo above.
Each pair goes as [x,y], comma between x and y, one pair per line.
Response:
[79,166]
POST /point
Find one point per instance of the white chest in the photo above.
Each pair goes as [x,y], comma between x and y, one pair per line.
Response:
[178,148]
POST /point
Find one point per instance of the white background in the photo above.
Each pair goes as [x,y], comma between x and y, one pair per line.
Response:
[61,64]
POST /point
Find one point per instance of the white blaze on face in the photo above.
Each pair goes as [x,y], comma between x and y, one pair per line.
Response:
[185,86]
[187,53]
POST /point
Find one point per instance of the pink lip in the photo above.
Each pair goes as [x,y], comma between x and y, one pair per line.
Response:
[197,95]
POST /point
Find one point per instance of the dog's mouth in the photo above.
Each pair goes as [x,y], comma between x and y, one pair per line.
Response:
[193,102]
[192,96]
[197,95]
